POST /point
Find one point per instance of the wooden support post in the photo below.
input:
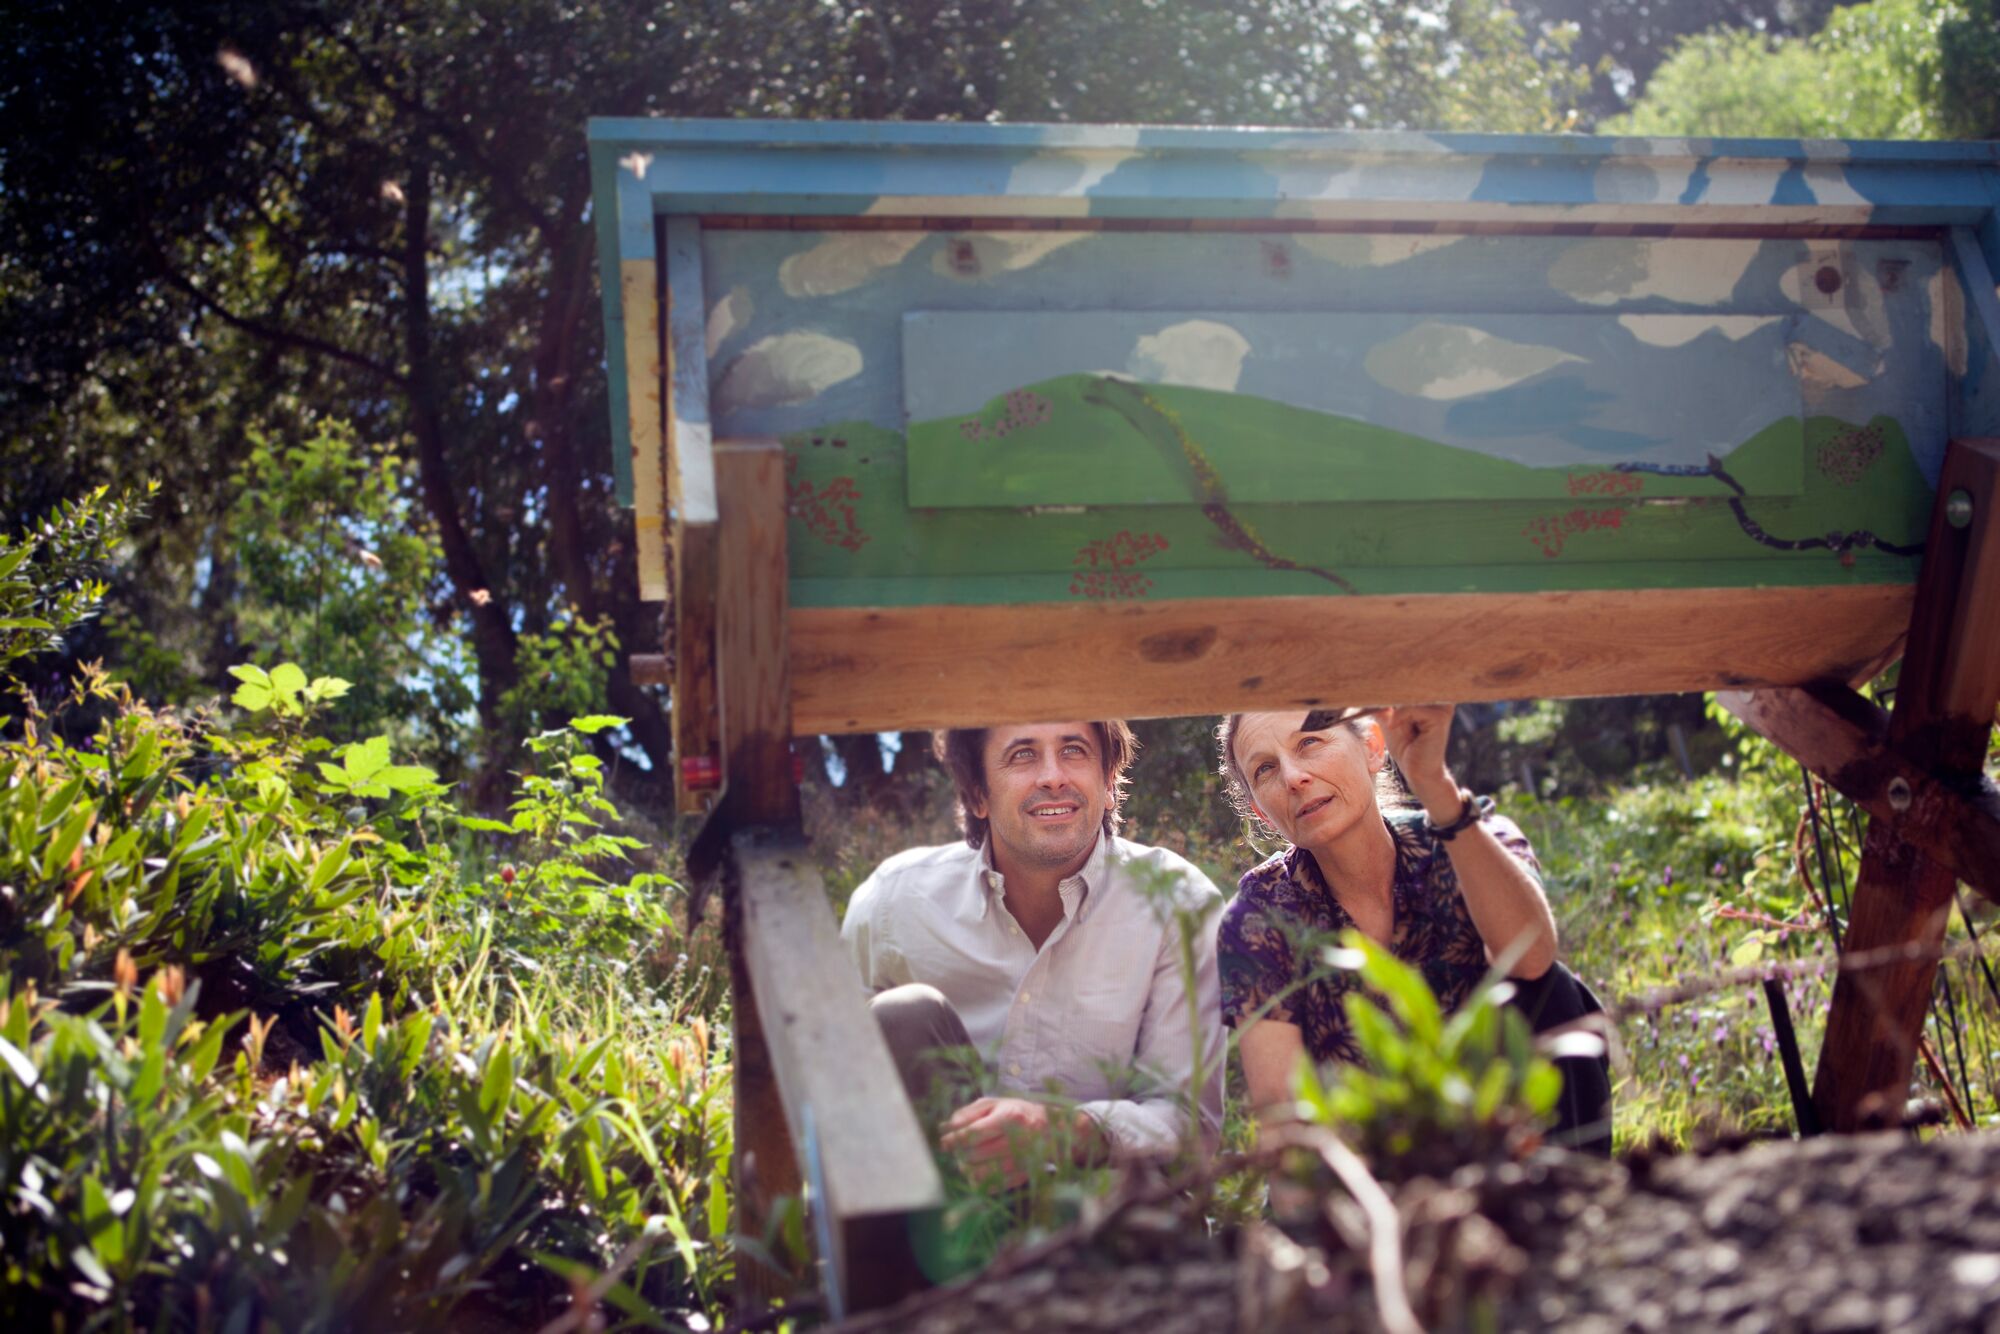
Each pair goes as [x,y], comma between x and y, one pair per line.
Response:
[1945,698]
[753,681]
[820,1110]
[1842,738]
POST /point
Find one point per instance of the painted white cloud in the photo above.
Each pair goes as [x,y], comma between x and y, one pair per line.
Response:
[1606,270]
[1355,251]
[1000,252]
[786,368]
[1680,330]
[1816,370]
[1642,180]
[1447,361]
[728,316]
[1202,354]
[844,261]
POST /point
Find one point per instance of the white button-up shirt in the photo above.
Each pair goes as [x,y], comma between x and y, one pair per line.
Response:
[1100,1013]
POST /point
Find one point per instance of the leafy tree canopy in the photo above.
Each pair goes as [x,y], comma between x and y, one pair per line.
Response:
[1889,69]
[224,226]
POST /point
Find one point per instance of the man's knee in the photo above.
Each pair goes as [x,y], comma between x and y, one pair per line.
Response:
[918,1023]
[915,1017]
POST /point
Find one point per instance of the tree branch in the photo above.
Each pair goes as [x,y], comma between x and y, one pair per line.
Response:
[271,333]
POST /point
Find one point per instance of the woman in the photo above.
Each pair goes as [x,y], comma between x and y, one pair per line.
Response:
[1445,885]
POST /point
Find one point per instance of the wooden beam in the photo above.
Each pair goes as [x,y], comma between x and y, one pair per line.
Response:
[697,719]
[1841,737]
[1945,698]
[885,669]
[752,660]
[688,470]
[639,293]
[820,1109]
[866,1159]
[755,710]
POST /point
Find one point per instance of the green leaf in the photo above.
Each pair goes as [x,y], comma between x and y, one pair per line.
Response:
[331,863]
[100,1222]
[498,1081]
[593,723]
[364,759]
[371,1023]
[1541,1087]
[479,824]
[288,679]
[1403,986]
[206,1052]
[406,777]
[718,1204]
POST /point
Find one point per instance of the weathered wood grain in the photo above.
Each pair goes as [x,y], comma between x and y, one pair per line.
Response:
[749,674]
[1841,737]
[878,669]
[639,280]
[1946,693]
[844,1101]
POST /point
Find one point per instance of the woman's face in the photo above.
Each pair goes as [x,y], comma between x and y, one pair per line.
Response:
[1312,787]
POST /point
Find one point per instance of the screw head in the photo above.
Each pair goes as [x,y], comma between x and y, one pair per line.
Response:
[1899,794]
[1958,507]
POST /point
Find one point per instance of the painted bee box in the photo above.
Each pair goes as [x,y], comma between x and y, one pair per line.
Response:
[1065,373]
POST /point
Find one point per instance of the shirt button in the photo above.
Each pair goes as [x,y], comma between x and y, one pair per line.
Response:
[1026,998]
[1014,1067]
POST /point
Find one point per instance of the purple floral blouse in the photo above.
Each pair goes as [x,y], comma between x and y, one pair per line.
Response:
[1283,912]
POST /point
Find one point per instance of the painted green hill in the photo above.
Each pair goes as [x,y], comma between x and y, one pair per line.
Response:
[1103,440]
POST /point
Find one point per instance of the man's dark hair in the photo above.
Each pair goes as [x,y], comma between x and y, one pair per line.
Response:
[962,751]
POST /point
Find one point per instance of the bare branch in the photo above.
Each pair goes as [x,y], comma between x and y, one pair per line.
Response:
[271,333]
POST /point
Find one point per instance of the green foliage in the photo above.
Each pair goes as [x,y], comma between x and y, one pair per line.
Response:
[562,673]
[337,566]
[51,575]
[1432,1091]
[276,1053]
[1873,72]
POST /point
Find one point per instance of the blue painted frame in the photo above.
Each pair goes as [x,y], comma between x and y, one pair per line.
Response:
[645,169]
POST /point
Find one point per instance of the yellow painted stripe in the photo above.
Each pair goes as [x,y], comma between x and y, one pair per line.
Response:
[645,384]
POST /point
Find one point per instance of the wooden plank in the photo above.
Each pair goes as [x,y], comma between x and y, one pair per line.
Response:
[750,671]
[689,473]
[690,453]
[1840,736]
[896,222]
[639,283]
[697,719]
[844,1102]
[819,1105]
[1946,694]
[883,669]
[753,665]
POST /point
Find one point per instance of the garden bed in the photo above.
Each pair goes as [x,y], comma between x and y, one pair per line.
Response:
[1868,1232]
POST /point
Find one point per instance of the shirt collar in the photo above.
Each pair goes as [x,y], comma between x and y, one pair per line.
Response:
[1075,890]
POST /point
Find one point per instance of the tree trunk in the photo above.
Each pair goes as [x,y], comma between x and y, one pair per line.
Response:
[493,641]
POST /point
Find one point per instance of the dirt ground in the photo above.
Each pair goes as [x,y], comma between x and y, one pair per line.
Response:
[1834,1234]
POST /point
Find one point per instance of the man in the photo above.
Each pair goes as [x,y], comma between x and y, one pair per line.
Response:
[1054,949]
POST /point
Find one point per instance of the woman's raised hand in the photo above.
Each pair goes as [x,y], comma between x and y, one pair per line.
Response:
[1416,737]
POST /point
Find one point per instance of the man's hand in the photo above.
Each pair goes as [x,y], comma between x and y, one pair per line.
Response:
[1008,1137]
[1416,737]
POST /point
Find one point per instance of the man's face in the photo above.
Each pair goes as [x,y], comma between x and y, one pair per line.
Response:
[1045,795]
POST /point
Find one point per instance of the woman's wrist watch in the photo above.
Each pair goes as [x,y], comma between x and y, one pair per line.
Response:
[1471,810]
